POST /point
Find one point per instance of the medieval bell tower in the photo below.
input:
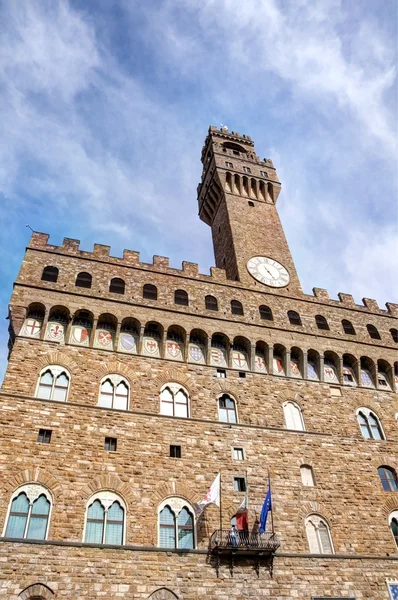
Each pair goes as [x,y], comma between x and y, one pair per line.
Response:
[237,198]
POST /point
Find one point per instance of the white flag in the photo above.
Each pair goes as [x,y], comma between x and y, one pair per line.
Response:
[212,496]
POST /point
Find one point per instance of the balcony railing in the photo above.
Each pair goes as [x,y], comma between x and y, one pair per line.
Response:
[223,540]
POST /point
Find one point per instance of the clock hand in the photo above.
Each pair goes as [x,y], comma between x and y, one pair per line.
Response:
[270,274]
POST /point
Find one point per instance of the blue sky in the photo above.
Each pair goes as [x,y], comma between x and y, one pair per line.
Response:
[105,104]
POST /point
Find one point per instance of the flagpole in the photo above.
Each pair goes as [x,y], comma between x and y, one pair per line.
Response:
[272,512]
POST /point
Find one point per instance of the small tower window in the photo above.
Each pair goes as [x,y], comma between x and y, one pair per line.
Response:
[150,292]
[294,317]
[373,332]
[321,322]
[265,313]
[83,280]
[50,274]
[247,169]
[236,307]
[263,173]
[394,335]
[117,285]
[348,327]
[181,298]
[229,165]
[211,303]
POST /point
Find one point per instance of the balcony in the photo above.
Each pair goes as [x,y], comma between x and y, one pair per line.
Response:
[244,543]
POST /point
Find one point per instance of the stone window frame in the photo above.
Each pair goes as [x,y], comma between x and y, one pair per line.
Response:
[107,498]
[56,371]
[176,504]
[367,412]
[83,278]
[174,388]
[50,273]
[32,491]
[231,397]
[316,520]
[307,470]
[300,412]
[115,380]
[391,516]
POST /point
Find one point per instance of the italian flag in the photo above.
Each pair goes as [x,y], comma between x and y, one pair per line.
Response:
[242,514]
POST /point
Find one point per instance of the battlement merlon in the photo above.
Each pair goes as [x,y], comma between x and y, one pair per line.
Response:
[160,264]
[224,135]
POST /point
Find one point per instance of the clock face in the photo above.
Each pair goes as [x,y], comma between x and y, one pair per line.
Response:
[268,271]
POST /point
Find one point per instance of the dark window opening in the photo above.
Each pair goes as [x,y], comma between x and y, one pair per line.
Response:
[242,374]
[250,203]
[175,451]
[236,307]
[117,286]
[321,322]
[150,292]
[294,317]
[50,274]
[211,303]
[181,298]
[44,436]
[221,373]
[239,484]
[394,335]
[110,444]
[373,332]
[83,280]
[348,327]
[265,313]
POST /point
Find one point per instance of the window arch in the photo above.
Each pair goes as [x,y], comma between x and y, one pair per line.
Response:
[181,298]
[117,285]
[373,332]
[318,535]
[265,313]
[83,280]
[348,327]
[176,524]
[388,478]
[227,409]
[29,513]
[294,317]
[321,322]
[150,292]
[53,383]
[211,303]
[50,274]
[293,416]
[369,424]
[394,335]
[114,392]
[174,400]
[105,519]
[393,522]
[163,594]
[236,307]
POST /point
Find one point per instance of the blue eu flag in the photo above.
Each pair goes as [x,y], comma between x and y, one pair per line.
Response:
[267,506]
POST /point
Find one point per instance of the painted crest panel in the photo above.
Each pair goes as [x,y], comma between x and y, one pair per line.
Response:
[55,331]
[278,366]
[295,368]
[32,328]
[174,350]
[349,377]
[151,346]
[219,357]
[311,371]
[259,362]
[330,373]
[80,335]
[197,353]
[104,339]
[128,343]
[240,360]
[366,379]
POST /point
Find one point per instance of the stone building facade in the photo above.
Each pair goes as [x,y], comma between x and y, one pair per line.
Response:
[131,385]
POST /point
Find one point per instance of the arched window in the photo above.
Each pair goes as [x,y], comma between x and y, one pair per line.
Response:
[174,400]
[369,424]
[236,307]
[181,298]
[393,520]
[265,313]
[117,285]
[150,292]
[373,332]
[83,280]
[211,303]
[321,322]
[176,524]
[227,409]
[53,383]
[29,513]
[50,274]
[318,535]
[293,416]
[388,478]
[114,392]
[105,519]
[307,475]
[348,327]
[394,335]
[294,317]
